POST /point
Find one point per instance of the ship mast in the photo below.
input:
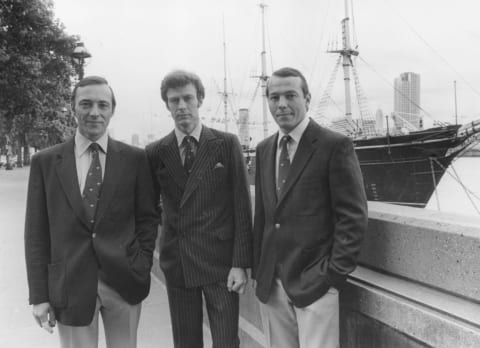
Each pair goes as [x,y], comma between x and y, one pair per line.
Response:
[346,52]
[225,92]
[263,77]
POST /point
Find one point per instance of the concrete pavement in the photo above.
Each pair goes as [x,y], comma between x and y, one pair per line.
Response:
[17,326]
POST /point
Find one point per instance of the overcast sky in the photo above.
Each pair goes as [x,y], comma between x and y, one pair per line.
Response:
[135,43]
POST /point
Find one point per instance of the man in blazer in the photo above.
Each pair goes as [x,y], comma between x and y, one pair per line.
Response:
[206,240]
[90,228]
[310,217]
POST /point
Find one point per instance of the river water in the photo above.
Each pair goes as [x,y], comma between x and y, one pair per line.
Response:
[451,195]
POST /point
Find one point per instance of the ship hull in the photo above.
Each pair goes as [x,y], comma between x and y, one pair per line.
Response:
[406,169]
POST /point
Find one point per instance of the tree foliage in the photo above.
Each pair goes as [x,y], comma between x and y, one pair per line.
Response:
[36,74]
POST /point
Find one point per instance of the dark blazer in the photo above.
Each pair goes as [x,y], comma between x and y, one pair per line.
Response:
[206,217]
[64,256]
[315,228]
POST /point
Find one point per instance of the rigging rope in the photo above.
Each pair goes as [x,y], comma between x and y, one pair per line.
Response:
[467,191]
[322,34]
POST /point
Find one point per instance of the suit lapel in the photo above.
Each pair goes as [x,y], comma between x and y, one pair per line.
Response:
[206,149]
[66,169]
[269,180]
[112,177]
[172,160]
[302,156]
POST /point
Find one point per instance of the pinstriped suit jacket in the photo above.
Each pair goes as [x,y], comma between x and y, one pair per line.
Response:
[206,216]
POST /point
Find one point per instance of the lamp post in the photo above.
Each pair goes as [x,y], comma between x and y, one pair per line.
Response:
[80,53]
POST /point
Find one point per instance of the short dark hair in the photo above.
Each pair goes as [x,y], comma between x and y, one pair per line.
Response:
[92,80]
[287,72]
[181,78]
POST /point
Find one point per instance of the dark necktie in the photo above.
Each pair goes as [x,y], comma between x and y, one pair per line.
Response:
[93,184]
[189,147]
[283,164]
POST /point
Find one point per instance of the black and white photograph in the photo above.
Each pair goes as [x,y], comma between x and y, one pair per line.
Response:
[240,173]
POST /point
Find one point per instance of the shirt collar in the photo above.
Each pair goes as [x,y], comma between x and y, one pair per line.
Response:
[196,134]
[297,132]
[82,143]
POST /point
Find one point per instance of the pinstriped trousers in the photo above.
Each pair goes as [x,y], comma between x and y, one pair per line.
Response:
[186,314]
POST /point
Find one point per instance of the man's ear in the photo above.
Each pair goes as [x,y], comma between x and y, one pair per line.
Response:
[200,103]
[307,99]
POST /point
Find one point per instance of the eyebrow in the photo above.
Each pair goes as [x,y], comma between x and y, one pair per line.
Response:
[91,100]
[289,91]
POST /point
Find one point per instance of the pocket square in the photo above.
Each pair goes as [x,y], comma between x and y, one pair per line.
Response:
[218,165]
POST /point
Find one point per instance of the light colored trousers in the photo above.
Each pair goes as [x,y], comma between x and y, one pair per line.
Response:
[120,320]
[287,326]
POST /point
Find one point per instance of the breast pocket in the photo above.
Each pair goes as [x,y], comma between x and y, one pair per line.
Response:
[215,177]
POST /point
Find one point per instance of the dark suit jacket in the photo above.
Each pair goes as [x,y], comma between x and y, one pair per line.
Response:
[64,256]
[206,218]
[315,228]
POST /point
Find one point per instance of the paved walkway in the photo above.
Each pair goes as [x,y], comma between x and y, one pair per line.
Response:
[17,326]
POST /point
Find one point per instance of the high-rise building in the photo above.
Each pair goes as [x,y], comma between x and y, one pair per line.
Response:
[406,101]
[150,138]
[135,140]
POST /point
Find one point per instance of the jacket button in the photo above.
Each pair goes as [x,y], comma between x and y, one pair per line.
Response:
[94,235]
[277,226]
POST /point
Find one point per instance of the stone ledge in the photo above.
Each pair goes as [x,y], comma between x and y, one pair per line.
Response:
[425,315]
[436,249]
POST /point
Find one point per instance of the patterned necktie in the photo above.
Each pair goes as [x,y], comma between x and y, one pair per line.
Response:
[283,164]
[93,184]
[188,144]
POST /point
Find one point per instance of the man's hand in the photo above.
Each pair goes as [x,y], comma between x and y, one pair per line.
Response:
[237,280]
[44,316]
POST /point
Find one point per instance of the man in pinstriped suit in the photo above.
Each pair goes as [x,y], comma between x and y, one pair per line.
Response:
[206,240]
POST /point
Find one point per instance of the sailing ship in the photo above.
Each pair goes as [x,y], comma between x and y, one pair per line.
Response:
[401,164]
[405,166]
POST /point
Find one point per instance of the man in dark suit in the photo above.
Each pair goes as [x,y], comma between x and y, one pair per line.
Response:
[90,228]
[310,217]
[206,241]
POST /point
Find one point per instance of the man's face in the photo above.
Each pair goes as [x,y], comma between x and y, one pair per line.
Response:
[286,101]
[183,104]
[93,110]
